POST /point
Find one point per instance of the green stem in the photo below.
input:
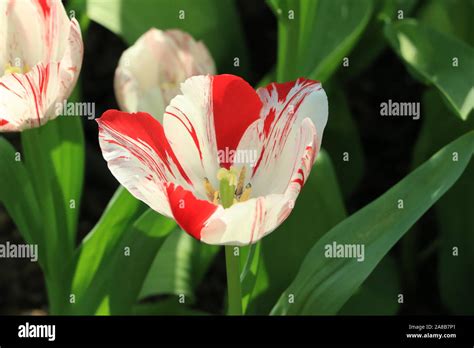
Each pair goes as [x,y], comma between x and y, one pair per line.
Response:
[234,291]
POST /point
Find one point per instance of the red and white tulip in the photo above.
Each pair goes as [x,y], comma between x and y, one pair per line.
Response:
[177,168]
[150,72]
[41,53]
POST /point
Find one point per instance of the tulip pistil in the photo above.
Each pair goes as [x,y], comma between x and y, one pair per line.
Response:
[231,187]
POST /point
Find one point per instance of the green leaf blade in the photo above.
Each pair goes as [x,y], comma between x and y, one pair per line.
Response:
[323,285]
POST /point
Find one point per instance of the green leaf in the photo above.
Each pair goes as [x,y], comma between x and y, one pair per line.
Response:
[98,247]
[453,211]
[54,160]
[321,34]
[324,284]
[372,42]
[66,146]
[347,155]
[378,294]
[250,258]
[431,55]
[179,266]
[450,17]
[125,272]
[18,197]
[213,21]
[117,282]
[318,208]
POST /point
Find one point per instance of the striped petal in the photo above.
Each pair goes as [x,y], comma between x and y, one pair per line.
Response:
[140,157]
[276,136]
[40,61]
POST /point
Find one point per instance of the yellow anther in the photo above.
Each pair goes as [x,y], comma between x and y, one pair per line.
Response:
[246,193]
[13,69]
[210,190]
[215,199]
[240,183]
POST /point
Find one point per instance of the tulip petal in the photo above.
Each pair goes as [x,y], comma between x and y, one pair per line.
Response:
[190,213]
[189,127]
[276,136]
[27,100]
[40,36]
[235,106]
[149,72]
[140,157]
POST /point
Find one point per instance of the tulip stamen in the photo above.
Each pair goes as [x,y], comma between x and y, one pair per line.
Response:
[210,190]
[231,187]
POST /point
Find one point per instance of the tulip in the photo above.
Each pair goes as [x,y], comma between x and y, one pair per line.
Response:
[40,59]
[178,168]
[149,72]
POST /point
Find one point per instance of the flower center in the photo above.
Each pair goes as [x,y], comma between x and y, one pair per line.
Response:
[231,187]
[14,69]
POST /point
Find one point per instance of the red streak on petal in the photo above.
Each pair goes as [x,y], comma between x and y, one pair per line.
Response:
[189,212]
[3,122]
[9,89]
[235,106]
[276,128]
[143,128]
[190,129]
[44,4]
[282,88]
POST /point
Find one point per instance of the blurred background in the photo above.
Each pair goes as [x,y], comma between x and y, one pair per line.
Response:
[382,151]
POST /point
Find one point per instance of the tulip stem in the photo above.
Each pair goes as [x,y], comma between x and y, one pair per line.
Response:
[234,292]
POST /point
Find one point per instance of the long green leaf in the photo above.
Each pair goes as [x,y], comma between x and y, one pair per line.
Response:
[324,284]
[450,17]
[454,209]
[441,60]
[378,294]
[179,266]
[99,246]
[126,271]
[18,197]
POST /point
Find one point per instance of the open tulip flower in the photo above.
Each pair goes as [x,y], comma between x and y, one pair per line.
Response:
[227,163]
[41,53]
[149,72]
